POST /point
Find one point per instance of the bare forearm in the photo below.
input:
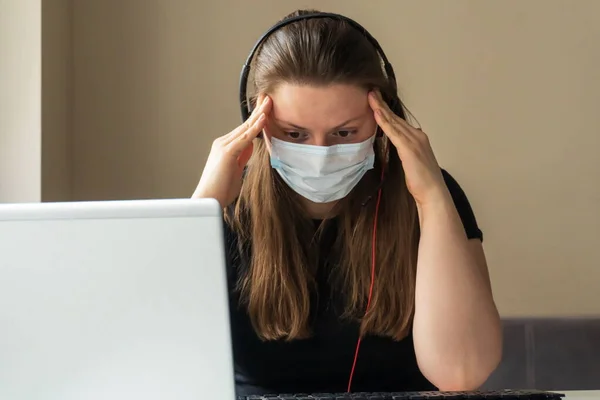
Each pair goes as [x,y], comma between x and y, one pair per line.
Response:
[456,326]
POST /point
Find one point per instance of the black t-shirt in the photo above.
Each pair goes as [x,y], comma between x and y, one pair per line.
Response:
[322,363]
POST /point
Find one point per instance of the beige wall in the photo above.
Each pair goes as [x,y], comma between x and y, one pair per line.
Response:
[20,101]
[508,91]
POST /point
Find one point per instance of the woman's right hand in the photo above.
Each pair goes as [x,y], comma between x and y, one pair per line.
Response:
[222,175]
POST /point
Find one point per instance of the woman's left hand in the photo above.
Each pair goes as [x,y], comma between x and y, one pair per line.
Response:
[423,175]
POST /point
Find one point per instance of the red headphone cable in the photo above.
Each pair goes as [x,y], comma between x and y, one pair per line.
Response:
[373,263]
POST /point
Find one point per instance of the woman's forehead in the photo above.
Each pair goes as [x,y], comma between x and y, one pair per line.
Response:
[319,106]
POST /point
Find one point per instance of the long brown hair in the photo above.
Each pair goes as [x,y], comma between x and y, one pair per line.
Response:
[278,286]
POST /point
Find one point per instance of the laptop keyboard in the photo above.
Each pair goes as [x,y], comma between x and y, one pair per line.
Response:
[475,395]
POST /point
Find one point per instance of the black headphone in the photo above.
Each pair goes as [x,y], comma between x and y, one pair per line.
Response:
[394,103]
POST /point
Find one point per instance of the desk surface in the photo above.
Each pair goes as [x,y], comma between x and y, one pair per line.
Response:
[580,394]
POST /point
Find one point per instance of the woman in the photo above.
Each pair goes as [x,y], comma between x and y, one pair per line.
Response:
[308,204]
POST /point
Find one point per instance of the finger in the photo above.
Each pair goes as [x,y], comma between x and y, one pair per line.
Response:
[263,102]
[240,142]
[263,108]
[399,124]
[260,102]
[390,129]
[385,118]
[377,103]
[396,118]
[380,106]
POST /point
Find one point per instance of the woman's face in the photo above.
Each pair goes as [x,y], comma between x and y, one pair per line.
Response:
[321,115]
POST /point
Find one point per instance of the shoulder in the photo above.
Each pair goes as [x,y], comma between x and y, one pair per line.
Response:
[463,206]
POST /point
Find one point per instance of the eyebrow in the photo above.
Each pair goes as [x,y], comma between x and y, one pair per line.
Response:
[281,122]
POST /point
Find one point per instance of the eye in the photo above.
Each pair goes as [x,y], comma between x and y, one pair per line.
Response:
[294,135]
[345,133]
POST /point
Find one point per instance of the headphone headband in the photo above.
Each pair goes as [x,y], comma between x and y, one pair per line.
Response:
[246,67]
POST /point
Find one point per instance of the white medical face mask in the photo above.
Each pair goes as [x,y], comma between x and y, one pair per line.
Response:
[319,173]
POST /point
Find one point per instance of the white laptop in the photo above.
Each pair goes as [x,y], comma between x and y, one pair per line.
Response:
[118,300]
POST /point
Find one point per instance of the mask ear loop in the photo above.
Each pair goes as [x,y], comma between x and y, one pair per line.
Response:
[267,139]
